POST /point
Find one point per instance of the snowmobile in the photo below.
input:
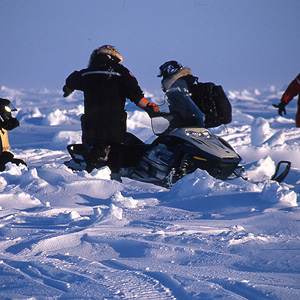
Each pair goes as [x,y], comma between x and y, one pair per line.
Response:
[7,123]
[183,144]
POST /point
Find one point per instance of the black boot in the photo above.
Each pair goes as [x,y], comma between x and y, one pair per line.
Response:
[96,156]
[116,176]
[5,157]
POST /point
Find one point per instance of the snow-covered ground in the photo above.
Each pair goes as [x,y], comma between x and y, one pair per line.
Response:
[74,235]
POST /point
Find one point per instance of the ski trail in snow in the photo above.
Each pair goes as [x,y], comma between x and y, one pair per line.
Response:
[146,284]
[106,278]
[34,273]
[239,290]
[52,275]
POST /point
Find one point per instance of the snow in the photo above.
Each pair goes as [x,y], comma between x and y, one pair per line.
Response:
[74,235]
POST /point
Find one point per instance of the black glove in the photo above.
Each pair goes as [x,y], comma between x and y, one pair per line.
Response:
[281,107]
[152,109]
[67,91]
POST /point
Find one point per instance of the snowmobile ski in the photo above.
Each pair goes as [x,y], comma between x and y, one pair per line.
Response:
[280,177]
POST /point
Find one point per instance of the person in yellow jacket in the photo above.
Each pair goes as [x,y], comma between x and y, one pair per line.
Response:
[7,122]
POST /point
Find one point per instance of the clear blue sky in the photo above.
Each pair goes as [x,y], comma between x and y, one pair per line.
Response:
[236,43]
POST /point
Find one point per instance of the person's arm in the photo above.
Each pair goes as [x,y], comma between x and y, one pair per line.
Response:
[292,90]
[134,93]
[73,82]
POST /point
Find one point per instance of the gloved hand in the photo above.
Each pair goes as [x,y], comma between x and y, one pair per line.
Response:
[281,107]
[151,108]
[67,91]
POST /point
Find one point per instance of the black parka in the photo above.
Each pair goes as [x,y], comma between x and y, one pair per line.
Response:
[106,87]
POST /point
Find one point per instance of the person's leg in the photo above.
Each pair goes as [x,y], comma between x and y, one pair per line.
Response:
[114,161]
[114,158]
[5,157]
[96,150]
[96,155]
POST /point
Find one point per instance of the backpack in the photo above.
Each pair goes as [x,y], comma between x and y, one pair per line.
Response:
[213,102]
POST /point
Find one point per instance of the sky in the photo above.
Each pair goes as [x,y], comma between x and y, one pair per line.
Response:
[239,44]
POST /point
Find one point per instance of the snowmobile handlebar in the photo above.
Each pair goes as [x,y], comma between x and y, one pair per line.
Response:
[162,114]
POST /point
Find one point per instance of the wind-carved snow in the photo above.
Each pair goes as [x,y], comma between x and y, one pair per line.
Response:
[74,235]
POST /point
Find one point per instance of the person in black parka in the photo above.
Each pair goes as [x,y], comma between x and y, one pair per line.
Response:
[106,84]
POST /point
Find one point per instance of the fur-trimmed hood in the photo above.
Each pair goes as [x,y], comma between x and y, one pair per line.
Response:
[167,83]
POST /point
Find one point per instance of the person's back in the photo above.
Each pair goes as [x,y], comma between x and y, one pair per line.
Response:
[102,90]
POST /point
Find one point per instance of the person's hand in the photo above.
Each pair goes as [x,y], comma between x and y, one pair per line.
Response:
[152,109]
[281,107]
[66,91]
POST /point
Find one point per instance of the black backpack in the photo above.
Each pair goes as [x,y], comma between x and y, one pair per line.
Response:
[213,102]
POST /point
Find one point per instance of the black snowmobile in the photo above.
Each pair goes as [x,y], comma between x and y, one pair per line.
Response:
[183,144]
[7,123]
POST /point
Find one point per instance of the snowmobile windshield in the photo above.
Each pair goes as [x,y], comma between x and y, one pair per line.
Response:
[182,111]
[182,106]
[12,107]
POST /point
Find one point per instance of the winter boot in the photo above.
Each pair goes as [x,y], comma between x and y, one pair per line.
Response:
[116,176]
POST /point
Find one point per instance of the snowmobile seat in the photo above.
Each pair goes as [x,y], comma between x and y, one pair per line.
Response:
[133,150]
